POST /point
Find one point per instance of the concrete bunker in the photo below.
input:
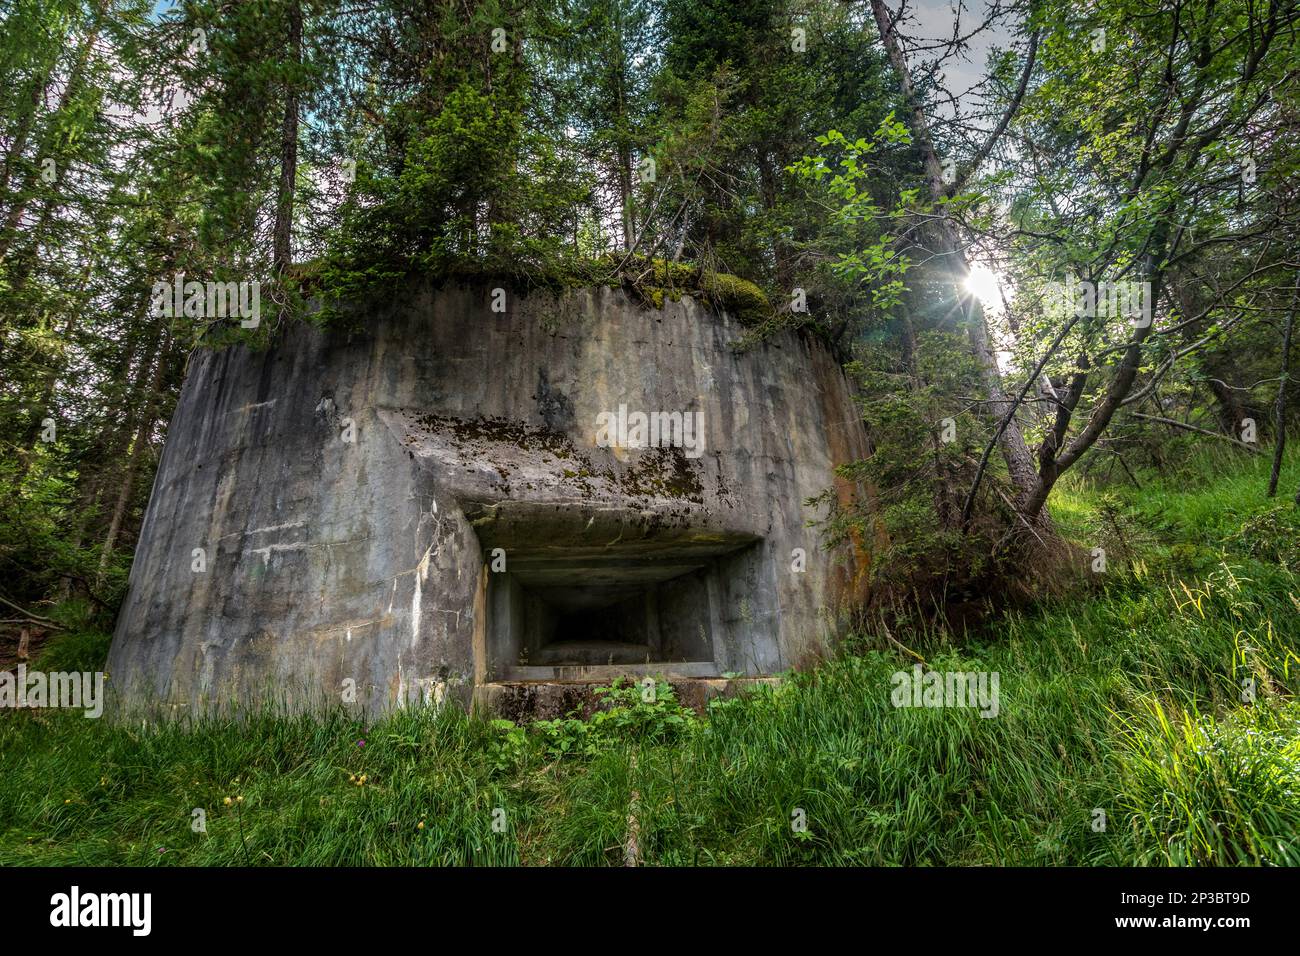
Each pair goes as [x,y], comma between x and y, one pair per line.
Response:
[426,507]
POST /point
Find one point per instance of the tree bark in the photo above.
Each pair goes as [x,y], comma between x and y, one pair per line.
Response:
[1228,407]
[14,154]
[1279,418]
[23,195]
[1051,465]
[148,418]
[283,244]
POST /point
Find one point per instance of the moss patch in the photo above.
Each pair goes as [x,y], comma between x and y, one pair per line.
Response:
[652,282]
[655,281]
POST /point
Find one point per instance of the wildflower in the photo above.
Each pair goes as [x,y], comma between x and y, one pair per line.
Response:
[227,801]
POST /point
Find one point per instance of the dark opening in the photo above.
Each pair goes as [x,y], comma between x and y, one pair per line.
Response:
[583,615]
[574,633]
[594,593]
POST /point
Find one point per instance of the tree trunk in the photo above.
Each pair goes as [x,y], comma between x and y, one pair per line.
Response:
[288,148]
[14,154]
[1228,406]
[140,441]
[1279,418]
[76,78]
[625,194]
[1051,464]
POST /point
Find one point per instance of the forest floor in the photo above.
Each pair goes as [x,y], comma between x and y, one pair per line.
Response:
[1151,720]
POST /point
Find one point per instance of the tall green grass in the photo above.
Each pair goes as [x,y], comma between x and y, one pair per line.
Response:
[1163,702]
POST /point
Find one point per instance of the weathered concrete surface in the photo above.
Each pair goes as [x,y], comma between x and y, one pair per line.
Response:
[348,492]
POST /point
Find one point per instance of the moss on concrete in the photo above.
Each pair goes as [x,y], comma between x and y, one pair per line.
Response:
[656,281]
[653,282]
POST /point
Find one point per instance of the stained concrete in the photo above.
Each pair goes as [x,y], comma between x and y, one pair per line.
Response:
[420,511]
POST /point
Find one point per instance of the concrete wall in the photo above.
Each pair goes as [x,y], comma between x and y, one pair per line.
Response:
[330,560]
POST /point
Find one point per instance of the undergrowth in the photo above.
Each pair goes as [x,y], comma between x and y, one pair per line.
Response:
[1151,721]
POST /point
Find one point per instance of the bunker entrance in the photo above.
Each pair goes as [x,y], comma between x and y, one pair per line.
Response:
[587,594]
[550,619]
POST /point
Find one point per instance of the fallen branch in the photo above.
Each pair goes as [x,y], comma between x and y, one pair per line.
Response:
[33,618]
[1200,431]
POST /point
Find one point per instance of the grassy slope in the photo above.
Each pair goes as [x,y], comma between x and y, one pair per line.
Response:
[1127,700]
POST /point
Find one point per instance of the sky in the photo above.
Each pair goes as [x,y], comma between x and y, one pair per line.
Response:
[935,19]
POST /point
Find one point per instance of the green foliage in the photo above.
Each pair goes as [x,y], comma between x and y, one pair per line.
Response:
[1202,791]
[628,713]
[81,645]
[430,216]
[41,541]
[870,217]
[1273,535]
[525,160]
[509,748]
[738,107]
[658,280]
[920,466]
[1128,700]
[739,297]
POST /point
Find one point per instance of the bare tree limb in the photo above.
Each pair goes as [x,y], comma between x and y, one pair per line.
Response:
[1193,428]
[33,618]
[983,152]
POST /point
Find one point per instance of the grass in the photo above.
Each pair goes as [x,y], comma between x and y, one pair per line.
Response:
[1163,702]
